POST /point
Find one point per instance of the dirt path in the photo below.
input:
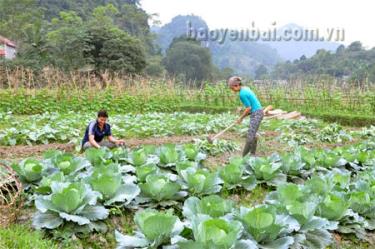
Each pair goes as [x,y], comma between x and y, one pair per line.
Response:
[23,151]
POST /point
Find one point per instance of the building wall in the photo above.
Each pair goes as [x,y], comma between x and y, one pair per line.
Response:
[10,52]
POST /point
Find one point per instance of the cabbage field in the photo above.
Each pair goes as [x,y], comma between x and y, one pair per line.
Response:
[312,184]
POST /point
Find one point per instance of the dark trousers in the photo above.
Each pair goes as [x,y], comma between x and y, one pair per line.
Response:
[251,140]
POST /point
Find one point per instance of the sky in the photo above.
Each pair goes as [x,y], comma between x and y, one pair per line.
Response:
[355,17]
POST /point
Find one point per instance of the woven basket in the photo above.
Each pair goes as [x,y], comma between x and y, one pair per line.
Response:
[10,195]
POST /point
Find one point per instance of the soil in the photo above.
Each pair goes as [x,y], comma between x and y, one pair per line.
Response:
[24,151]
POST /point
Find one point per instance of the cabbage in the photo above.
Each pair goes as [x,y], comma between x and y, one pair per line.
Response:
[160,187]
[214,233]
[201,181]
[168,155]
[191,151]
[334,206]
[143,171]
[139,157]
[69,198]
[69,202]
[154,229]
[212,205]
[45,184]
[108,181]
[67,163]
[30,170]
[236,175]
[260,222]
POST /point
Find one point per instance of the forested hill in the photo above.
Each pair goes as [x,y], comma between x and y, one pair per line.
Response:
[71,34]
[129,17]
[84,8]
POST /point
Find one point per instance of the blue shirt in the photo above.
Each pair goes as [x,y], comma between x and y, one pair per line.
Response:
[249,99]
[93,129]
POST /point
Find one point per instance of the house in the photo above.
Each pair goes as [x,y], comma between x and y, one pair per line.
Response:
[7,48]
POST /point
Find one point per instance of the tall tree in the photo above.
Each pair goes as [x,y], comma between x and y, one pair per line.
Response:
[187,59]
[111,48]
[68,41]
[17,17]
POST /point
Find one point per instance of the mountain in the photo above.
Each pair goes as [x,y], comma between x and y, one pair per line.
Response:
[291,50]
[176,28]
[243,57]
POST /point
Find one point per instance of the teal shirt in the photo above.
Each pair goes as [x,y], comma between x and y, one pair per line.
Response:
[249,99]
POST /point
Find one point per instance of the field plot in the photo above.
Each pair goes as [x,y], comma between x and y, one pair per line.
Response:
[311,186]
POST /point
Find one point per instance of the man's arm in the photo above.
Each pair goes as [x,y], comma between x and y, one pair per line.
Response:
[244,114]
[93,142]
[115,141]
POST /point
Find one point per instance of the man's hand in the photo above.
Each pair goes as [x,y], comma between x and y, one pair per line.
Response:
[120,142]
[244,114]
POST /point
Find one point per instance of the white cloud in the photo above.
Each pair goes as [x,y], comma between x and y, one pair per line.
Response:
[356,17]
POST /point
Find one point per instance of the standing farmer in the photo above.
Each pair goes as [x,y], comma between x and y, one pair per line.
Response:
[253,107]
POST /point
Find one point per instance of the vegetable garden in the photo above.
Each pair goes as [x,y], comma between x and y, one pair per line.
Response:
[312,185]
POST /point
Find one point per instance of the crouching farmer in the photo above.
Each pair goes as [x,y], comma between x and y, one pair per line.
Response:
[97,131]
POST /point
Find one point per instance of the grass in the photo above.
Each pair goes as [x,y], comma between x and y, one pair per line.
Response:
[22,236]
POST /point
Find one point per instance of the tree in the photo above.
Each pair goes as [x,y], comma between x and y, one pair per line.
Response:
[340,50]
[187,59]
[154,66]
[17,17]
[33,48]
[68,41]
[222,73]
[355,46]
[261,72]
[111,48]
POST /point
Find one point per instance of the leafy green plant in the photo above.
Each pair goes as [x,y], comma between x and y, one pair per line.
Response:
[201,181]
[108,181]
[267,170]
[98,156]
[143,171]
[168,156]
[190,151]
[68,163]
[217,147]
[138,157]
[334,206]
[69,202]
[266,229]
[212,205]
[30,170]
[160,187]
[235,174]
[44,186]
[213,233]
[154,229]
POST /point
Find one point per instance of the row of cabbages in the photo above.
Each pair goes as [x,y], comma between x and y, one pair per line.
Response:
[69,127]
[337,194]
